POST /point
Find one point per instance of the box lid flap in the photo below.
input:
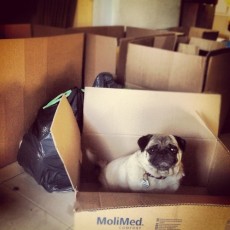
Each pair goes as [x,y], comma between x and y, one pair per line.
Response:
[97,62]
[66,136]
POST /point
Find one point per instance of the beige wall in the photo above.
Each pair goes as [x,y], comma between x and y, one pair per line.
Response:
[140,13]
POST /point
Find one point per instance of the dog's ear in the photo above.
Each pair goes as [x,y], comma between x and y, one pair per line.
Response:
[181,142]
[143,141]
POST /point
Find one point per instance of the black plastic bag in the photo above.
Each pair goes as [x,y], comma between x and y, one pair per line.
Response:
[106,80]
[37,153]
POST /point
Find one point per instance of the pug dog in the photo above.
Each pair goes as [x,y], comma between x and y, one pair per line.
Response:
[155,167]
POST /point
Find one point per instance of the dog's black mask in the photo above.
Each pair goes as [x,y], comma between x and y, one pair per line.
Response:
[163,153]
[163,158]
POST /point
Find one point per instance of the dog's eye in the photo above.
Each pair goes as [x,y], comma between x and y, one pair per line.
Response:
[173,149]
[153,149]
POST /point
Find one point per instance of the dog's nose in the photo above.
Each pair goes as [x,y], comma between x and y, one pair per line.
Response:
[164,166]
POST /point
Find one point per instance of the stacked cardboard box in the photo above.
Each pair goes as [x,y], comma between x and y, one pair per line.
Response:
[203,33]
[106,48]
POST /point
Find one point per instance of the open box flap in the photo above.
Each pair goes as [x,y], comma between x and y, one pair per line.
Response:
[154,68]
[66,136]
[100,56]
[114,119]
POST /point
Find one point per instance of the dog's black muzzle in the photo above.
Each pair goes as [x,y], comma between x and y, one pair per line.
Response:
[163,159]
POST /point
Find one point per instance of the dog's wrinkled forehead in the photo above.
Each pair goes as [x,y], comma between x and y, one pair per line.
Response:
[161,141]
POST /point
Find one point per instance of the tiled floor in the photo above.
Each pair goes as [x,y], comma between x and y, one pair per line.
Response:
[26,205]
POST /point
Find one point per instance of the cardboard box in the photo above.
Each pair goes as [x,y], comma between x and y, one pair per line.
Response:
[105,53]
[158,69]
[141,32]
[188,49]
[203,33]
[112,31]
[33,71]
[105,46]
[111,132]
[152,68]
[28,30]
[206,45]
[100,52]
[199,46]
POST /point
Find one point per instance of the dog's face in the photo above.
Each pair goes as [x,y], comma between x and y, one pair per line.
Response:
[163,152]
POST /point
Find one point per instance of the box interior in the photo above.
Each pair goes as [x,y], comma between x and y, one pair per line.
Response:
[110,131]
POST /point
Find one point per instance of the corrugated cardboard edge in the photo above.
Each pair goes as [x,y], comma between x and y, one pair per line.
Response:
[88,201]
[66,137]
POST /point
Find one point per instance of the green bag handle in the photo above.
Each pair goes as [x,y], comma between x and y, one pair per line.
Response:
[57,99]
